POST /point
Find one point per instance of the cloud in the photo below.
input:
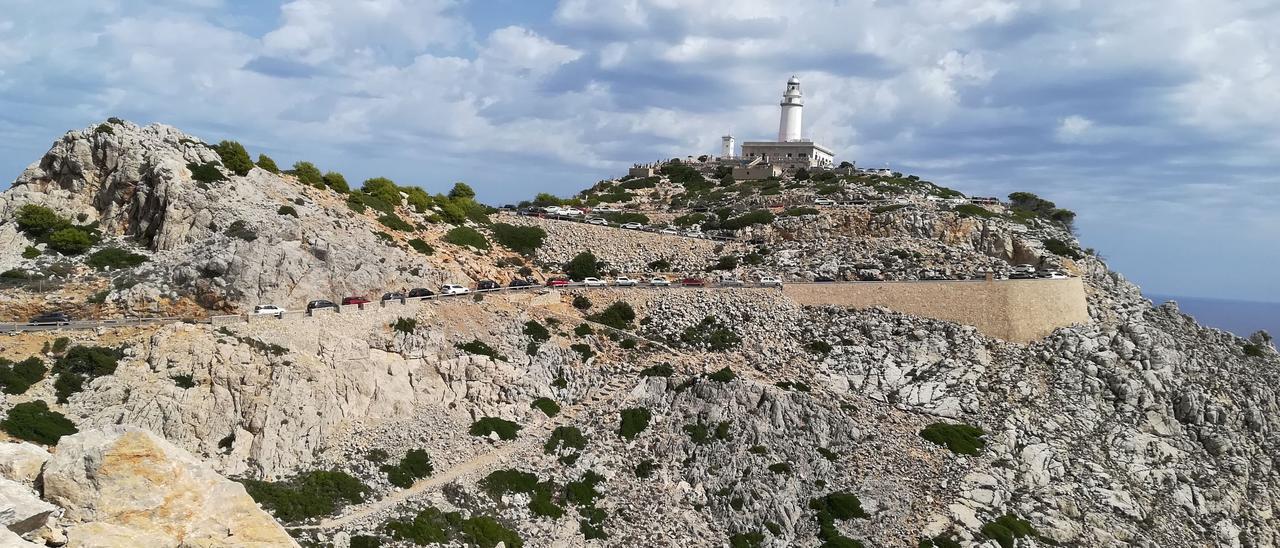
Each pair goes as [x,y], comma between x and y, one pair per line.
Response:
[1073,128]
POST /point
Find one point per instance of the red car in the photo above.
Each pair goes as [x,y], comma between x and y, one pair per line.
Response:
[355,300]
[557,282]
[693,282]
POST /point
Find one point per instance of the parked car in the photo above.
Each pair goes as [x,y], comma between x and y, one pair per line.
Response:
[633,226]
[693,282]
[670,231]
[695,234]
[659,281]
[1022,275]
[1053,275]
[593,282]
[1030,269]
[570,212]
[623,281]
[486,285]
[557,282]
[51,318]
[420,292]
[730,281]
[321,304]
[355,300]
[770,281]
[522,282]
[267,310]
[393,296]
[454,289]
[824,202]
[597,221]
[823,279]
[605,209]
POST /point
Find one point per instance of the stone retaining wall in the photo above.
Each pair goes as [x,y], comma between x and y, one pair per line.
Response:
[1013,310]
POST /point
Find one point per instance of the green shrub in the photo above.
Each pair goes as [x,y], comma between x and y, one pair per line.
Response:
[840,505]
[822,348]
[265,162]
[365,541]
[624,217]
[1005,529]
[583,350]
[568,437]
[485,531]
[35,422]
[287,210]
[430,526]
[114,258]
[536,331]
[336,182]
[583,265]
[307,495]
[415,465]
[70,241]
[506,429]
[660,265]
[39,221]
[581,302]
[618,315]
[727,262]
[377,455]
[633,421]
[30,253]
[183,381]
[972,210]
[780,468]
[758,450]
[754,539]
[501,482]
[239,229]
[234,157]
[421,247]
[887,208]
[16,378]
[698,433]
[394,222]
[480,349]
[636,184]
[60,345]
[383,189]
[418,199]
[1253,350]
[690,219]
[206,173]
[405,325]
[757,217]
[548,406]
[466,236]
[725,374]
[583,330]
[104,128]
[711,334]
[828,454]
[308,174]
[356,205]
[15,274]
[521,239]
[646,468]
[961,439]
[1061,249]
[945,540]
[82,364]
[799,211]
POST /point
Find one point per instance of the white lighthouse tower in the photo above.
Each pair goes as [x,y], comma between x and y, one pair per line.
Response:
[726,147]
[792,103]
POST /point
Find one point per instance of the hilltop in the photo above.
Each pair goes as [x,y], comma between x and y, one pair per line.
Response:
[595,416]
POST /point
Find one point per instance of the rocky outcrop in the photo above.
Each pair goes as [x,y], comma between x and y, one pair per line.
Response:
[124,486]
[22,461]
[21,511]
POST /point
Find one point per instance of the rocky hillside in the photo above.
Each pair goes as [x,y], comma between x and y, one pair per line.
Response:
[596,417]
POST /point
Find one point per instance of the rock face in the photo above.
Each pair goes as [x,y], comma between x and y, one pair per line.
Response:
[21,511]
[125,486]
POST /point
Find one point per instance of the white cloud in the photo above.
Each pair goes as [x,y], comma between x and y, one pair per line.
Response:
[345,31]
[1073,129]
[521,48]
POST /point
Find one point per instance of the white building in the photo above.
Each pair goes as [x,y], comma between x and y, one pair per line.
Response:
[790,151]
[726,147]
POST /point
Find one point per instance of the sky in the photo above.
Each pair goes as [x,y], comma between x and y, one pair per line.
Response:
[1156,120]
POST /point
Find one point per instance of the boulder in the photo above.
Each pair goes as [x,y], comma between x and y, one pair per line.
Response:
[21,511]
[22,461]
[121,483]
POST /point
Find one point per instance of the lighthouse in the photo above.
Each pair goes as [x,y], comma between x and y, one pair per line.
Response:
[726,147]
[792,105]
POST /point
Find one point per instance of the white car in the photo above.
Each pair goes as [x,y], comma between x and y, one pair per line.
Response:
[730,281]
[593,282]
[597,221]
[633,226]
[571,212]
[554,210]
[824,202]
[454,289]
[670,231]
[659,281]
[770,281]
[1054,275]
[604,210]
[695,234]
[268,310]
[623,281]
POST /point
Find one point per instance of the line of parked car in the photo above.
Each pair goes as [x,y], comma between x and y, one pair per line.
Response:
[573,213]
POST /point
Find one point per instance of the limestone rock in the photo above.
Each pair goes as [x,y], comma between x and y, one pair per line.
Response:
[121,484]
[21,461]
[21,511]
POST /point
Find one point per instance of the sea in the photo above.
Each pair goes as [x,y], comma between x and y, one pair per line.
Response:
[1240,317]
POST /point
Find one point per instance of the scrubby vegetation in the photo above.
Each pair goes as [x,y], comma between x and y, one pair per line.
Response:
[1026,205]
[415,465]
[35,422]
[238,229]
[431,526]
[1062,249]
[43,225]
[287,210]
[583,265]
[660,370]
[114,258]
[405,325]
[16,378]
[1252,350]
[1005,529]
[466,236]
[336,182]
[581,302]
[265,162]
[394,222]
[633,421]
[206,173]
[505,429]
[548,406]
[568,439]
[583,350]
[234,157]
[521,239]
[725,374]
[307,495]
[30,253]
[832,507]
[961,439]
[646,468]
[479,348]
[710,334]
[540,493]
[618,315]
[972,210]
[80,365]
